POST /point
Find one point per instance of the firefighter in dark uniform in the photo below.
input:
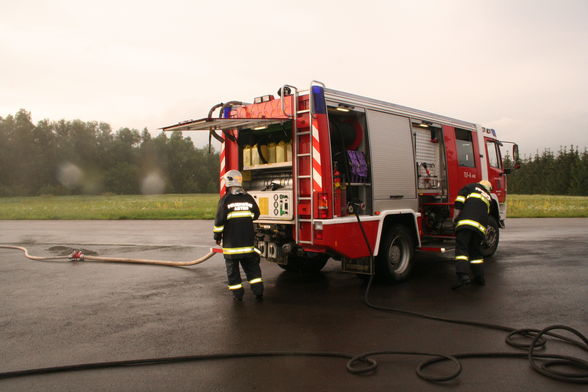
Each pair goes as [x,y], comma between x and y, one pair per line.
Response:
[234,226]
[472,206]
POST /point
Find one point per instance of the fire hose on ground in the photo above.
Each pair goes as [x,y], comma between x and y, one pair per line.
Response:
[559,367]
[78,255]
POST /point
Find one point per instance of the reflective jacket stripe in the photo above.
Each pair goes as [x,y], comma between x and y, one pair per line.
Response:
[218,229]
[460,199]
[479,196]
[468,222]
[234,251]
[240,214]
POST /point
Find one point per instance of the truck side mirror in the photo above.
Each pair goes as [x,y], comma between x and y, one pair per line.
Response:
[515,155]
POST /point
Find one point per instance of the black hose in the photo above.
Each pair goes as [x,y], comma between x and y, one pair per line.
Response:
[550,361]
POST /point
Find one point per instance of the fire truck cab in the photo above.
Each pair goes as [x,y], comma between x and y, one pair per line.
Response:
[341,176]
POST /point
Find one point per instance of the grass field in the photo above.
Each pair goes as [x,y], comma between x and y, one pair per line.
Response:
[546,206]
[203,206]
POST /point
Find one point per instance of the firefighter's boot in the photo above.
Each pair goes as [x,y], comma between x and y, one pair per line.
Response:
[462,280]
[238,294]
[478,272]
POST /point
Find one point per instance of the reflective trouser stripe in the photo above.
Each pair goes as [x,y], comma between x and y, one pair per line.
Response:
[479,261]
[218,229]
[256,280]
[461,258]
[468,222]
[236,286]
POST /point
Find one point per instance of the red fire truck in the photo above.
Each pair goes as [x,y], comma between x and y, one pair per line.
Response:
[341,176]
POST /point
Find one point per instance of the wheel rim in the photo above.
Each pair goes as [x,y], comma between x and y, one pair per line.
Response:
[397,255]
[491,237]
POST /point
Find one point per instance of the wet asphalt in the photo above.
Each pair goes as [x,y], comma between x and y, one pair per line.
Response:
[60,313]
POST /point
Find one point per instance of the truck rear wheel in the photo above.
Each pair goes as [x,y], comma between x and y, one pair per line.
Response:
[311,263]
[490,243]
[396,256]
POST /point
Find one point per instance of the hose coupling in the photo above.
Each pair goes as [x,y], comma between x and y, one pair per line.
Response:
[77,255]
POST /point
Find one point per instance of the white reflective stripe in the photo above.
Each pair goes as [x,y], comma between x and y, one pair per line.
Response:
[460,199]
[236,286]
[479,196]
[257,251]
[240,214]
[317,177]
[232,251]
[461,258]
[315,154]
[256,280]
[218,229]
[480,261]
[475,224]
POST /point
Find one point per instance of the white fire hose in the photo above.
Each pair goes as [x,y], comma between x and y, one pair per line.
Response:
[79,256]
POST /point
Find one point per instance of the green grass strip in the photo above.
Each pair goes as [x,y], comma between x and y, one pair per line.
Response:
[200,206]
[203,206]
[546,206]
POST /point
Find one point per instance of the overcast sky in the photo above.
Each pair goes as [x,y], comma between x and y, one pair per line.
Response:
[519,66]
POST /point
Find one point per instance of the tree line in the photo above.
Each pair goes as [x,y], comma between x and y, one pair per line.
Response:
[562,173]
[76,157]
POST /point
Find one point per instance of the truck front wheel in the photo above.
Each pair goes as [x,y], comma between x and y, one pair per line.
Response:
[396,256]
[308,264]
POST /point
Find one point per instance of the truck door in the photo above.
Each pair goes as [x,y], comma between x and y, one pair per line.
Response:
[463,158]
[496,174]
[392,159]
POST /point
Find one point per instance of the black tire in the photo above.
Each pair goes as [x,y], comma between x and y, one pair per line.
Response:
[396,256]
[490,243]
[309,264]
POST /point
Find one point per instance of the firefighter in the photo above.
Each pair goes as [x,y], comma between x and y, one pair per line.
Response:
[233,226]
[472,206]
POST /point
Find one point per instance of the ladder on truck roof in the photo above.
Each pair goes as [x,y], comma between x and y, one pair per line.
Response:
[304,226]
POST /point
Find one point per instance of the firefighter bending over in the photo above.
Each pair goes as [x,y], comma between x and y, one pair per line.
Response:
[472,206]
[234,226]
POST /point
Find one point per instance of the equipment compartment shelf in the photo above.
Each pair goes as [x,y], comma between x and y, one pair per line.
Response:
[268,166]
